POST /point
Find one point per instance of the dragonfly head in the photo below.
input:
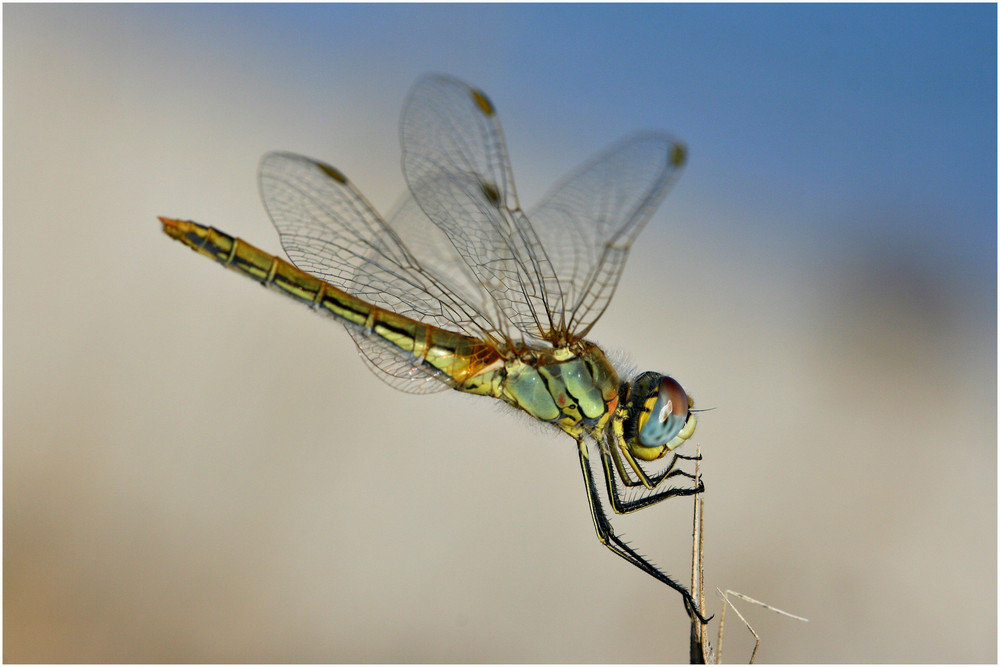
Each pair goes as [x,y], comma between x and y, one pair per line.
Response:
[658,416]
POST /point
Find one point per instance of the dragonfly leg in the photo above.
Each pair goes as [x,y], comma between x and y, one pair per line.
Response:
[606,534]
[643,479]
[618,484]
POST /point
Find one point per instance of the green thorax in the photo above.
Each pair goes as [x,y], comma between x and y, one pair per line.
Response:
[573,387]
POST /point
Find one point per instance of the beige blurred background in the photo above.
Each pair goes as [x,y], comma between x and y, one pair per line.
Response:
[196,470]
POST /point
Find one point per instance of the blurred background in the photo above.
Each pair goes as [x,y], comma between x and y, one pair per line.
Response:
[196,470]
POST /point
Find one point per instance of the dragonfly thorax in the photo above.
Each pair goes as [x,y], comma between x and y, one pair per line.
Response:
[574,388]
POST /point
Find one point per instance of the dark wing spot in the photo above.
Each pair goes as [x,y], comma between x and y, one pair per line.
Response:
[491,193]
[483,102]
[332,173]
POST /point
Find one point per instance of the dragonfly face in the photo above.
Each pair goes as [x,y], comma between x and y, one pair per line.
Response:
[460,288]
[657,416]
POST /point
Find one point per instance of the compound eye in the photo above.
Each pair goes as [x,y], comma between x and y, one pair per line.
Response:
[668,416]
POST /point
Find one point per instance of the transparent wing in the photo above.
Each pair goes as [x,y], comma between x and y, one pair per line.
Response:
[430,247]
[550,274]
[457,170]
[589,220]
[396,369]
[458,253]
[328,229]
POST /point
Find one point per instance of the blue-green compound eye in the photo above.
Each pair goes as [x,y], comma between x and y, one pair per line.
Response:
[669,415]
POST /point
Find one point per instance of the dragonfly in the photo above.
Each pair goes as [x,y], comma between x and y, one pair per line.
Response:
[459,288]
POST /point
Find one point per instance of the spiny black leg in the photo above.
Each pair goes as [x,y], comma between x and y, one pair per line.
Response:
[621,505]
[606,534]
[645,480]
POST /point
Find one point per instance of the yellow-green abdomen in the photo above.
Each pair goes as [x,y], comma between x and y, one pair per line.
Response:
[457,360]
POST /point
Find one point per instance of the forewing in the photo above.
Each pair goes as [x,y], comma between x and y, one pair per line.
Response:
[430,247]
[456,166]
[588,221]
[329,230]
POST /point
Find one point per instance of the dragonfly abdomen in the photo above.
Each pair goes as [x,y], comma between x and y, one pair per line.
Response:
[269,270]
[453,358]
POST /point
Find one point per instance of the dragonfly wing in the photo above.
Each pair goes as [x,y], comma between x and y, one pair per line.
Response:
[328,229]
[431,247]
[456,166]
[589,220]
[397,369]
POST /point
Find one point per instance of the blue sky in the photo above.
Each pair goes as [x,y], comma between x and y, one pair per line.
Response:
[812,121]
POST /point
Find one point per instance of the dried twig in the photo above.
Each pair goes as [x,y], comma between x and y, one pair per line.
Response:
[728,603]
[700,648]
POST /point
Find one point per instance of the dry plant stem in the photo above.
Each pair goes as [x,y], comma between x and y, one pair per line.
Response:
[722,624]
[699,648]
[727,603]
[761,604]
